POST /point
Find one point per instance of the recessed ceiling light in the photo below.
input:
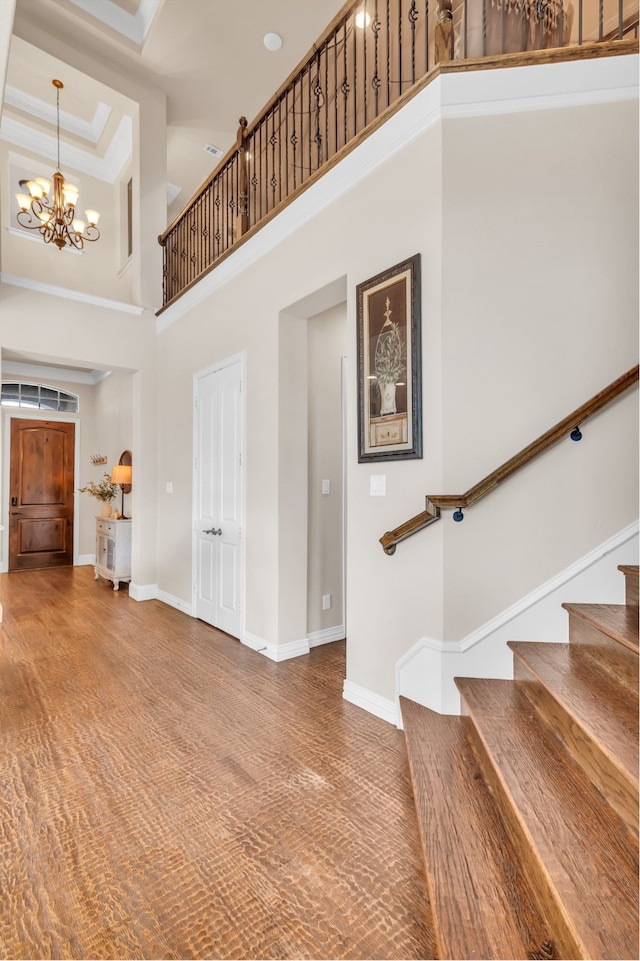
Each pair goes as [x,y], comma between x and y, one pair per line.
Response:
[272,41]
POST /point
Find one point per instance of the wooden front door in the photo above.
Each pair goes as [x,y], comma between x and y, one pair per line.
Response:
[41,494]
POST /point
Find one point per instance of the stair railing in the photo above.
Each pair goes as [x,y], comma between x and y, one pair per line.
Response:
[373,57]
[435,503]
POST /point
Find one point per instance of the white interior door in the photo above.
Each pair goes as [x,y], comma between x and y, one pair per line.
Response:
[219,432]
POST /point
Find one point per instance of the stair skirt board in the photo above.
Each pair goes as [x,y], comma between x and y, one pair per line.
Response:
[527,802]
[426,672]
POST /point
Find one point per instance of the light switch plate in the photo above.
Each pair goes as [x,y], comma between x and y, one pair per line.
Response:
[326,486]
[378,485]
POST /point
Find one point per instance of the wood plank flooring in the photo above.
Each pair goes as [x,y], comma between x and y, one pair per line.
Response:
[167,793]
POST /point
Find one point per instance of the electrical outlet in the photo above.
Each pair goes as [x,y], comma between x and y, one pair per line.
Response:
[326,602]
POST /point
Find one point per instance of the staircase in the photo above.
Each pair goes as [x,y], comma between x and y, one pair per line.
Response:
[528,803]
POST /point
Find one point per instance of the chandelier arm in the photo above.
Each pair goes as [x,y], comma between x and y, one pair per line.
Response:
[48,233]
[74,239]
[27,218]
[91,233]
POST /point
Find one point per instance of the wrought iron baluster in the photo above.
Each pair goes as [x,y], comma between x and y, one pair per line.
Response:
[376,76]
[364,64]
[388,52]
[280,146]
[398,91]
[317,92]
[294,137]
[484,28]
[273,139]
[345,82]
[335,86]
[426,35]
[355,78]
[600,19]
[327,148]
[413,16]
[579,22]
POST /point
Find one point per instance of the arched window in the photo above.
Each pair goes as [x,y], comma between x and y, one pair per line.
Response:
[16,394]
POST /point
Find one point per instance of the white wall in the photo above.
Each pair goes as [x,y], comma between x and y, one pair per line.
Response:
[515,333]
[542,228]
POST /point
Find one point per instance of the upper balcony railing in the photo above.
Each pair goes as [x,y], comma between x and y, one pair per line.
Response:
[370,60]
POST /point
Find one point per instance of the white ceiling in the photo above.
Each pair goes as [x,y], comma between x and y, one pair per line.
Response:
[208,56]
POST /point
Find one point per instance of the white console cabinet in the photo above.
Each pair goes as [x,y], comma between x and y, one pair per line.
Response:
[113,550]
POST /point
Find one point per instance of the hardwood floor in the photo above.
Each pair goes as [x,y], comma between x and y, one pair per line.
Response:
[167,793]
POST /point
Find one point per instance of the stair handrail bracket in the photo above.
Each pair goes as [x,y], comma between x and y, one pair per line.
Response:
[569,426]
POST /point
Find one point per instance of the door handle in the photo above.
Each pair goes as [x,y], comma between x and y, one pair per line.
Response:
[213,531]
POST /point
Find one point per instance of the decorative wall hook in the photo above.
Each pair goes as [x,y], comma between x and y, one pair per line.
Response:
[98,459]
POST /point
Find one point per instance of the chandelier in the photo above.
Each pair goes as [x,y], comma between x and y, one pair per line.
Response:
[54,213]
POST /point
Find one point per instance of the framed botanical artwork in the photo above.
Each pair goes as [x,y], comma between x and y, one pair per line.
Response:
[389,364]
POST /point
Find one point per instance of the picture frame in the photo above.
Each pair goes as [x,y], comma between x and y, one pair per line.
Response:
[390,364]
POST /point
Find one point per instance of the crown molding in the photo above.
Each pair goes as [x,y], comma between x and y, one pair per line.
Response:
[90,130]
[51,290]
[69,374]
[106,168]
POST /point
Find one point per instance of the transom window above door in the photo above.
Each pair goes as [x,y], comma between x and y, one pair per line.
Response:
[16,394]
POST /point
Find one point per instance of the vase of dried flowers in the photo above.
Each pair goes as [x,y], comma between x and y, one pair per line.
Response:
[104,491]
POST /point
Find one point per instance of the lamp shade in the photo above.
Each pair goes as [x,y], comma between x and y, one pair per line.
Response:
[121,474]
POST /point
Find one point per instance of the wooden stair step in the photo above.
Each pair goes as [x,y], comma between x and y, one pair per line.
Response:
[631,580]
[615,622]
[575,694]
[578,853]
[483,904]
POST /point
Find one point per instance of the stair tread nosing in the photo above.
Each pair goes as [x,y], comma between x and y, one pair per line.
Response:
[587,692]
[586,851]
[483,906]
[617,621]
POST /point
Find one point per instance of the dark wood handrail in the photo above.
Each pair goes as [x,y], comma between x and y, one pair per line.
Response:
[437,502]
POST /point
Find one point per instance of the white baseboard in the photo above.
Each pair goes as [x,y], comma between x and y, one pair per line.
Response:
[85,560]
[275,652]
[143,592]
[369,701]
[151,592]
[326,636]
[174,601]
